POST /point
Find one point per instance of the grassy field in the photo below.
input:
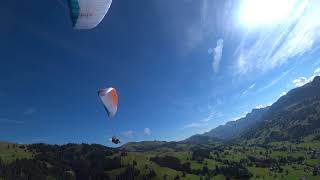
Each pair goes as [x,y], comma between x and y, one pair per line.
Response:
[9,152]
[145,165]
[234,154]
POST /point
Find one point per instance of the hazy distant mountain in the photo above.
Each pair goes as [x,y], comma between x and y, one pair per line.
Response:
[201,139]
[293,115]
[233,128]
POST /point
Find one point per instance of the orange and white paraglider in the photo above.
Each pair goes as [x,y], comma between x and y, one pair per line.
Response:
[109,98]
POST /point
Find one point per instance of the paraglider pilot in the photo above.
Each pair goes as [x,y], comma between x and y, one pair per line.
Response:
[115,140]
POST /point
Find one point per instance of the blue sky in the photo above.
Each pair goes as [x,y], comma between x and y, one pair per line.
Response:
[180,67]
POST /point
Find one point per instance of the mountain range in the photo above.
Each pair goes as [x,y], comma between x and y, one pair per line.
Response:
[293,116]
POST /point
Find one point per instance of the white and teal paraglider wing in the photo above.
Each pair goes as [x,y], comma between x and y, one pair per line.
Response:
[87,14]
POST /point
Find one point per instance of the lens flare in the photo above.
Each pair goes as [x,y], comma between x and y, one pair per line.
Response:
[265,12]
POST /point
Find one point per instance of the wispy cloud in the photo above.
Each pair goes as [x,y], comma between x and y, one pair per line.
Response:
[10,121]
[217,55]
[202,122]
[147,131]
[207,119]
[276,80]
[275,45]
[262,106]
[204,10]
[304,80]
[239,117]
[283,93]
[248,89]
[300,81]
[210,116]
[128,134]
[110,139]
[194,35]
[196,125]
[30,111]
[252,86]
[201,25]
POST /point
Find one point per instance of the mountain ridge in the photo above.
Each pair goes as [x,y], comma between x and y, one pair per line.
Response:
[246,128]
[258,118]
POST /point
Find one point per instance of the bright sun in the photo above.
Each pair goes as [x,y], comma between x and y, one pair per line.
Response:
[265,12]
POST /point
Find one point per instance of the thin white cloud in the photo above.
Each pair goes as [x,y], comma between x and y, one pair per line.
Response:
[238,117]
[283,93]
[128,134]
[300,81]
[204,12]
[203,122]
[278,44]
[262,106]
[304,80]
[205,119]
[217,55]
[147,131]
[248,89]
[196,125]
[212,114]
[252,86]
[195,36]
[276,80]
[10,121]
[30,111]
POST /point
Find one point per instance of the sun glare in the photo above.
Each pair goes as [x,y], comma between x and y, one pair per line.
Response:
[265,12]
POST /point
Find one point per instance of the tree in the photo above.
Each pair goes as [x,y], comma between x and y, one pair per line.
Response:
[151,174]
[186,167]
[315,171]
[136,172]
[205,170]
[168,161]
[217,170]
[134,163]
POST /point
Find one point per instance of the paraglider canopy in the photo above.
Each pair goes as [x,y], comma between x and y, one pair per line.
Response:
[109,98]
[87,14]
